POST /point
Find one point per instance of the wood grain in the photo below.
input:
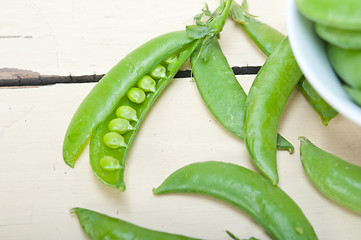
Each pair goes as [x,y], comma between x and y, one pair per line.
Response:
[86,38]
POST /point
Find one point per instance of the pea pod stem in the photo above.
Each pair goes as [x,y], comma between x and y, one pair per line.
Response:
[265,102]
[335,178]
[221,91]
[100,226]
[267,39]
[104,97]
[248,191]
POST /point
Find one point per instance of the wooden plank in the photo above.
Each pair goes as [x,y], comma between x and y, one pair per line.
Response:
[86,38]
[77,37]
[39,189]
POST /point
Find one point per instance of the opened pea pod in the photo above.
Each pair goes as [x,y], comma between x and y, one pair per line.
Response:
[112,112]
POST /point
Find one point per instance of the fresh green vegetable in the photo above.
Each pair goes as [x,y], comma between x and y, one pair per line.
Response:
[267,39]
[127,112]
[332,176]
[325,111]
[265,102]
[162,73]
[147,84]
[348,39]
[346,63]
[102,227]
[107,94]
[340,14]
[354,93]
[246,190]
[221,92]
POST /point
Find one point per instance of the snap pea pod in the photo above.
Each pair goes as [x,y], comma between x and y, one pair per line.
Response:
[346,63]
[265,102]
[248,191]
[99,226]
[222,93]
[333,177]
[105,96]
[342,38]
[108,162]
[267,39]
[354,93]
[98,148]
[335,13]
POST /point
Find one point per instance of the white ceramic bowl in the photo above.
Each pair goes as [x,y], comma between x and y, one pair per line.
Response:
[311,55]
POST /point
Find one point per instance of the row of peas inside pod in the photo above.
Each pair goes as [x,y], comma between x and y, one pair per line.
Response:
[126,114]
[338,23]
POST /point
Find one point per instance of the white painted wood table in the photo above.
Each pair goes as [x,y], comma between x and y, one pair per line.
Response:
[78,37]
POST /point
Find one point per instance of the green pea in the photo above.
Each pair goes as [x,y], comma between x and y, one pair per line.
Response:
[120,125]
[114,140]
[158,72]
[171,59]
[147,84]
[109,164]
[127,112]
[136,95]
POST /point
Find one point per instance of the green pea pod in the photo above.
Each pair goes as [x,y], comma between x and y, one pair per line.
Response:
[105,96]
[221,92]
[265,102]
[99,226]
[325,111]
[248,191]
[267,39]
[354,93]
[335,13]
[342,38]
[108,154]
[333,177]
[98,149]
[346,63]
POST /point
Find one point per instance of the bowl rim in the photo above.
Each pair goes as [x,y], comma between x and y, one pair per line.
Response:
[304,42]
